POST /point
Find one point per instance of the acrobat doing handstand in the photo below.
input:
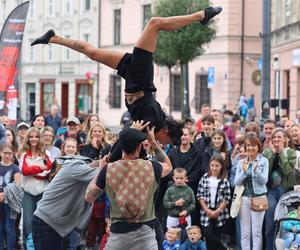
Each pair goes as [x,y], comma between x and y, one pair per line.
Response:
[137,68]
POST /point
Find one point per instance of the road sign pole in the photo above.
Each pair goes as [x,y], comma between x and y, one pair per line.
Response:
[266,57]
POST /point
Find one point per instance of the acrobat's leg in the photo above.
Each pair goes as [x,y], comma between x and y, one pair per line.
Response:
[147,40]
[110,58]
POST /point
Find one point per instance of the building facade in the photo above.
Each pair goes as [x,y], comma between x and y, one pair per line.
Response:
[54,74]
[80,86]
[234,55]
[285,66]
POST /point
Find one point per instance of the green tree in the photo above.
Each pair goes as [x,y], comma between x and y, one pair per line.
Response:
[184,45]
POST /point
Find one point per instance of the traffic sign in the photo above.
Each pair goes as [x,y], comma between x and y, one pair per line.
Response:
[211,77]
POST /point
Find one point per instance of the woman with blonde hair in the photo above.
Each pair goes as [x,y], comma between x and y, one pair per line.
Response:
[97,143]
[90,121]
[35,165]
[281,179]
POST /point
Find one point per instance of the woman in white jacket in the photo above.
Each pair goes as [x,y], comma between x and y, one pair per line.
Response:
[35,166]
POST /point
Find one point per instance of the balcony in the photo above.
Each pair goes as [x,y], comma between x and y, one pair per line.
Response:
[288,33]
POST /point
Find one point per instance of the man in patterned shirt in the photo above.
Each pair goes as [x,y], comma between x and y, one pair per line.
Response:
[130,184]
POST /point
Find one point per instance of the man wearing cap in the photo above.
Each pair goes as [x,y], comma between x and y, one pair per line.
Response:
[72,131]
[130,184]
[22,128]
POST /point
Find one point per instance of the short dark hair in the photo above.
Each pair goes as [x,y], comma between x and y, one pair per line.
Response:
[236,118]
[174,129]
[269,121]
[217,110]
[179,171]
[208,118]
[228,112]
[205,105]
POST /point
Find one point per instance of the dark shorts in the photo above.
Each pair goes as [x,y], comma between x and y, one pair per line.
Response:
[137,70]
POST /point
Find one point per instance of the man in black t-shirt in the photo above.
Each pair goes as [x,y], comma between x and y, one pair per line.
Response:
[130,184]
[137,68]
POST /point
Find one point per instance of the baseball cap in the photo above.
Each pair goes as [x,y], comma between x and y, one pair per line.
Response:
[130,138]
[22,125]
[73,119]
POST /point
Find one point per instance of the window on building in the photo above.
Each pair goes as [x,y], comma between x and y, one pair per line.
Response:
[67,51]
[49,52]
[31,51]
[115,91]
[202,92]
[175,99]
[47,95]
[84,98]
[30,101]
[86,37]
[31,9]
[50,9]
[67,7]
[86,5]
[146,14]
[117,26]
[288,12]
[278,14]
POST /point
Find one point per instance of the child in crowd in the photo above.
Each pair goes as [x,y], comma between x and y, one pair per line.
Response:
[69,147]
[179,199]
[292,230]
[214,195]
[194,241]
[9,176]
[172,237]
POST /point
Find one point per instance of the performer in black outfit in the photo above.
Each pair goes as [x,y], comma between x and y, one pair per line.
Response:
[137,69]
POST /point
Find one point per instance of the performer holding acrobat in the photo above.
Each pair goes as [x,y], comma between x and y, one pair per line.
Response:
[137,68]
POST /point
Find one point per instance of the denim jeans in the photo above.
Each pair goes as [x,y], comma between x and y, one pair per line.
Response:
[251,223]
[142,238]
[44,236]
[73,240]
[29,206]
[7,227]
[273,198]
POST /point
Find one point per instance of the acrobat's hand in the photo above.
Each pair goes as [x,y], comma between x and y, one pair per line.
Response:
[139,125]
[103,162]
[151,138]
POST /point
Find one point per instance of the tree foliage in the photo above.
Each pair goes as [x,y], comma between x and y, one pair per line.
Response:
[185,44]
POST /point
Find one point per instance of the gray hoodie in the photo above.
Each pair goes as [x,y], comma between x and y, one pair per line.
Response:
[63,206]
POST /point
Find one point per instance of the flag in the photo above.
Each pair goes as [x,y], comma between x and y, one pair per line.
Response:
[10,45]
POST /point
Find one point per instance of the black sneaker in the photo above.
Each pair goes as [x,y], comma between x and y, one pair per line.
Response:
[44,39]
[210,12]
